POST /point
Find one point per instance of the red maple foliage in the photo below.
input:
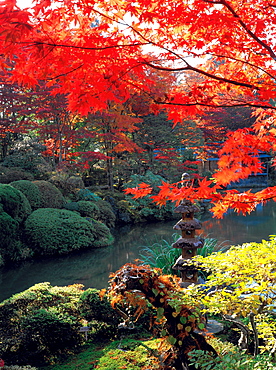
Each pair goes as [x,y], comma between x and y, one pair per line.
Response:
[94,52]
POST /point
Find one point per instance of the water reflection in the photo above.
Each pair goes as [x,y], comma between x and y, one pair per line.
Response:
[92,268]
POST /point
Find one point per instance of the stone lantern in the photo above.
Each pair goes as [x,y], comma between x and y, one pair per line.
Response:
[188,243]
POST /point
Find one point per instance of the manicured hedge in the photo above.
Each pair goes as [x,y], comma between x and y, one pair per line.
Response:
[59,231]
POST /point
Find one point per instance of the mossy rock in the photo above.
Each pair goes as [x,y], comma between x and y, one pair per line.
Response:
[59,231]
[51,196]
[30,190]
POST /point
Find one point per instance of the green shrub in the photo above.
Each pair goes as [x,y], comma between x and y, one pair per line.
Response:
[43,322]
[39,324]
[88,209]
[14,203]
[102,234]
[127,213]
[229,361]
[85,208]
[28,161]
[68,185]
[59,231]
[93,307]
[72,206]
[86,194]
[30,190]
[46,336]
[51,196]
[106,214]
[8,175]
[10,245]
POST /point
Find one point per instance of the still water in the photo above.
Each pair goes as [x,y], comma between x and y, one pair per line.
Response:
[92,268]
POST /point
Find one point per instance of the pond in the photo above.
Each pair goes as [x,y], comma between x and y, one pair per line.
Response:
[92,268]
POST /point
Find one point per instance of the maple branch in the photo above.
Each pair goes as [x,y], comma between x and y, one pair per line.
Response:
[36,43]
[204,73]
[253,105]
[65,73]
[244,62]
[248,31]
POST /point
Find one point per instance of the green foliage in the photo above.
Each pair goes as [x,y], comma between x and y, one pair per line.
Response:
[248,268]
[10,244]
[17,367]
[14,203]
[86,194]
[161,255]
[229,361]
[28,161]
[126,212]
[59,231]
[8,175]
[147,210]
[106,214]
[30,190]
[99,313]
[39,324]
[51,196]
[46,336]
[85,208]
[102,234]
[122,208]
[68,185]
[241,288]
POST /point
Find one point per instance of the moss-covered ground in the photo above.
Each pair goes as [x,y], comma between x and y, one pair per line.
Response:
[114,355]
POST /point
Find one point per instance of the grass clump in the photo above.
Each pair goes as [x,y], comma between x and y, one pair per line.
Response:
[162,255]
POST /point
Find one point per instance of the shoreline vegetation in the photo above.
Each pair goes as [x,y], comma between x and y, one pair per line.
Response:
[41,326]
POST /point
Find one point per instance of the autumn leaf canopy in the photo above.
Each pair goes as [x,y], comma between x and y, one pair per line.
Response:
[221,53]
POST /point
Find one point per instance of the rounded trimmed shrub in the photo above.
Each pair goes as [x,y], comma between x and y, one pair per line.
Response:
[14,203]
[30,190]
[51,196]
[88,209]
[59,231]
[9,229]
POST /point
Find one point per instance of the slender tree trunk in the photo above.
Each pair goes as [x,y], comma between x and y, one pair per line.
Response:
[110,177]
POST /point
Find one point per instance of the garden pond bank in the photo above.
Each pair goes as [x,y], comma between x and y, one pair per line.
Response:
[92,267]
